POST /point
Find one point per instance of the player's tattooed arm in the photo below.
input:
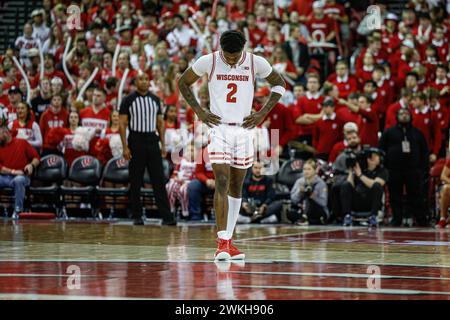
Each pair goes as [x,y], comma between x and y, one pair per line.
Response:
[253,120]
[184,84]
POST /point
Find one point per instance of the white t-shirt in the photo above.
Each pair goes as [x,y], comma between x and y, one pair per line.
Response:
[231,89]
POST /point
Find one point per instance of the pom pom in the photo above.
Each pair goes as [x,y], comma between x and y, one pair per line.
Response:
[115,144]
[81,138]
[55,136]
[102,150]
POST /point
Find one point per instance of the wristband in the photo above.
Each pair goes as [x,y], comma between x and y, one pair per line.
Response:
[278,89]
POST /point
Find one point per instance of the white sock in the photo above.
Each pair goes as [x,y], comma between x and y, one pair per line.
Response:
[223,235]
[234,206]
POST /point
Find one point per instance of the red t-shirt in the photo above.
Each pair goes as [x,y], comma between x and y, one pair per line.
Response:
[17,154]
[90,119]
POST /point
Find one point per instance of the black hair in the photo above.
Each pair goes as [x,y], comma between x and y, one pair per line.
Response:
[372,82]
[232,41]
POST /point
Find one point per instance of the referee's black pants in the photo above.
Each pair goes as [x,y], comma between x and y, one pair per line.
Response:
[145,152]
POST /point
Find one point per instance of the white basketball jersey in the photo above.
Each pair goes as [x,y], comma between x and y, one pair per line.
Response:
[231,88]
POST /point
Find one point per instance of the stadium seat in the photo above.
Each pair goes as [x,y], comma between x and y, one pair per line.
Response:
[49,175]
[86,172]
[115,172]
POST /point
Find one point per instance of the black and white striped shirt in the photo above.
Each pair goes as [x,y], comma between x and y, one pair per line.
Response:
[142,111]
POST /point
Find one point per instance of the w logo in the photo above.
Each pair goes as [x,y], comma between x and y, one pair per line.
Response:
[121,163]
[86,162]
[51,162]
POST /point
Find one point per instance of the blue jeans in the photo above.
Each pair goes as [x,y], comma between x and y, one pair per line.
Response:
[18,183]
[196,191]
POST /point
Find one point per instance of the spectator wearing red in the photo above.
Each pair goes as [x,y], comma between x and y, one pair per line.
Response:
[364,73]
[14,97]
[428,124]
[320,26]
[430,62]
[308,108]
[255,33]
[24,127]
[54,117]
[403,103]
[327,130]
[96,116]
[423,33]
[106,69]
[369,124]
[442,85]
[11,78]
[283,65]
[440,41]
[123,63]
[405,65]
[18,159]
[390,36]
[69,152]
[348,129]
[49,71]
[26,42]
[384,89]
[238,13]
[349,113]
[375,48]
[272,38]
[149,24]
[378,102]
[342,78]
[303,8]
[441,114]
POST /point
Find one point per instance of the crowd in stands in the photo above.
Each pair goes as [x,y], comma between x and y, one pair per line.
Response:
[382,92]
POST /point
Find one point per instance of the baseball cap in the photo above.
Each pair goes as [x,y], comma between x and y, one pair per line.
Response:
[318,4]
[350,126]
[36,12]
[391,16]
[15,89]
[56,80]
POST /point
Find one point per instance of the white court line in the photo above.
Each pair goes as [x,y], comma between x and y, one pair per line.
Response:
[350,290]
[338,275]
[37,296]
[286,235]
[255,261]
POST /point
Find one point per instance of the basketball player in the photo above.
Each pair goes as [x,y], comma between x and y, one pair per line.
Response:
[231,82]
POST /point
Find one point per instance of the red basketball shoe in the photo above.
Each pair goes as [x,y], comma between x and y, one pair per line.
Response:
[235,253]
[223,250]
[441,224]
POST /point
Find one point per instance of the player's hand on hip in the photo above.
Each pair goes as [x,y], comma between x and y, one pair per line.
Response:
[209,118]
[253,120]
[126,153]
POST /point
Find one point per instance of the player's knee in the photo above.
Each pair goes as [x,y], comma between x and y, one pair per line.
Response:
[222,183]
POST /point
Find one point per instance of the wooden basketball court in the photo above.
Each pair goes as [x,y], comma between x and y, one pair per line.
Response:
[98,260]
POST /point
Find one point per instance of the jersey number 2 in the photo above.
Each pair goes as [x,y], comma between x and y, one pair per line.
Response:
[230,95]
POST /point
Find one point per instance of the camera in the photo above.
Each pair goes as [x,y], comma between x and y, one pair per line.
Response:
[308,190]
[353,158]
[360,157]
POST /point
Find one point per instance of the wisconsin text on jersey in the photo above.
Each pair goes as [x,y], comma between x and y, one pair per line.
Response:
[232,77]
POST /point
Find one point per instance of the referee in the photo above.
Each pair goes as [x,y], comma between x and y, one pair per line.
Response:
[140,111]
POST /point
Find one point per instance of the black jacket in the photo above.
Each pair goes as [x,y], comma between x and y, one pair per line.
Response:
[396,159]
[303,60]
[261,191]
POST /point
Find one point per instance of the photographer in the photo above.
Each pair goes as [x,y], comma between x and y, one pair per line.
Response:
[258,195]
[309,195]
[363,189]
[341,172]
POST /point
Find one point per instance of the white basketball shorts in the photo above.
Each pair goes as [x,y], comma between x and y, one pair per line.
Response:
[231,144]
